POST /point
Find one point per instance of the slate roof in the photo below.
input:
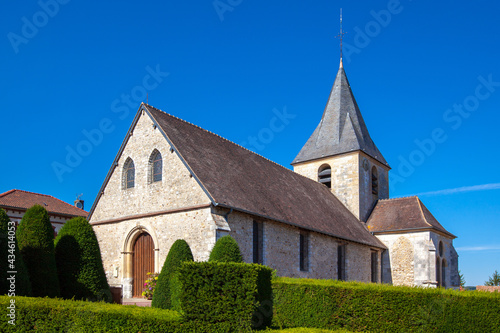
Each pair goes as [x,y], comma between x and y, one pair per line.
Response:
[402,214]
[18,199]
[341,129]
[237,178]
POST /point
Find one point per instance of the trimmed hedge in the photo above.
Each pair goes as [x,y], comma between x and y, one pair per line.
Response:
[35,238]
[226,250]
[79,264]
[55,315]
[234,293]
[166,291]
[331,304]
[9,252]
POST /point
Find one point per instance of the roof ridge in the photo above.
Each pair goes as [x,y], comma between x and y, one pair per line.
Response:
[210,132]
[419,203]
[398,198]
[7,192]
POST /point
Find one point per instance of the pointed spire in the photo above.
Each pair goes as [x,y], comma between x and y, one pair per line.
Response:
[341,129]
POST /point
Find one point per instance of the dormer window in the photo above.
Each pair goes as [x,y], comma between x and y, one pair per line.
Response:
[374,181]
[325,175]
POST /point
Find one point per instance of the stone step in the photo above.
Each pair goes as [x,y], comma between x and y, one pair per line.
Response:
[136,301]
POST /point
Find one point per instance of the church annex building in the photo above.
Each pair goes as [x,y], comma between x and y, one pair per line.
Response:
[329,218]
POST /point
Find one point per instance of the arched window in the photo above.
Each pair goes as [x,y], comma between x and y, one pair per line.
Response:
[129,174]
[438,272]
[325,175]
[155,167]
[443,273]
[441,249]
[374,181]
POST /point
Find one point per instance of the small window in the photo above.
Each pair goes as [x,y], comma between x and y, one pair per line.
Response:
[155,167]
[304,251]
[374,181]
[258,243]
[374,261]
[325,175]
[443,273]
[441,249]
[341,262]
[438,272]
[129,173]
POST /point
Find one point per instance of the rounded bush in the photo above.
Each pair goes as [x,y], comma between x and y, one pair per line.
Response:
[35,238]
[23,286]
[226,250]
[79,262]
[167,285]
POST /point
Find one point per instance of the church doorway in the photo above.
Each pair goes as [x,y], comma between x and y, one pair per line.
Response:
[143,262]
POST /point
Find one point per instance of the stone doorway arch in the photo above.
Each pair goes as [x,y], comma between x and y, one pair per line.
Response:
[140,256]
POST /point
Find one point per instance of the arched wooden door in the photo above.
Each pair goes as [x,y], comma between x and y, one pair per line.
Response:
[143,262]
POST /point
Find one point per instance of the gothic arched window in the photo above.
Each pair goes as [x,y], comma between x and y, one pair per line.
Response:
[374,181]
[443,273]
[155,167]
[129,174]
[325,175]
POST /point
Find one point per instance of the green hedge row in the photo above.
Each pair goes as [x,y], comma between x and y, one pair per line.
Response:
[333,304]
[56,315]
[235,293]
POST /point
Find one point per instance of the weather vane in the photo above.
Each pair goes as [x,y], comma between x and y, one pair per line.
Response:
[341,34]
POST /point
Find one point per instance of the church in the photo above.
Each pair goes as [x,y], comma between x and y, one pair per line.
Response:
[329,218]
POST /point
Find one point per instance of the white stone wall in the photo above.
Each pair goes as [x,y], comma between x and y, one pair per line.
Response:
[419,269]
[281,250]
[177,188]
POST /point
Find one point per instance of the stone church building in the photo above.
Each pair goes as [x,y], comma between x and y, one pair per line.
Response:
[329,218]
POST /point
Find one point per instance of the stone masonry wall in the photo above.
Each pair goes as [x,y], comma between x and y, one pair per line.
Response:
[176,189]
[411,259]
[281,250]
[345,177]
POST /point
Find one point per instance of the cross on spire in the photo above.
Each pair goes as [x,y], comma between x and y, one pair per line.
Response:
[341,34]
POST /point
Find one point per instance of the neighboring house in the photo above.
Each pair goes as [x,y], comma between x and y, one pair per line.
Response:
[172,179]
[16,202]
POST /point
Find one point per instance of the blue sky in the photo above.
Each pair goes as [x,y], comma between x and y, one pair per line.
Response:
[425,74]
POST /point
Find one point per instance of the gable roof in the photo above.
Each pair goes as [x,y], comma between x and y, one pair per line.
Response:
[18,199]
[341,129]
[403,214]
[234,177]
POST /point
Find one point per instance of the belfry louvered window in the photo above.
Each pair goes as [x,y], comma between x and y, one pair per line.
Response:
[325,175]
[374,181]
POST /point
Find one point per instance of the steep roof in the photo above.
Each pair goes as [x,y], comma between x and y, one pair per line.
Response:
[402,214]
[23,200]
[237,178]
[341,129]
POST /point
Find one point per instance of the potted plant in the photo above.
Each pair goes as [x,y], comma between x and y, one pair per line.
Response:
[149,285]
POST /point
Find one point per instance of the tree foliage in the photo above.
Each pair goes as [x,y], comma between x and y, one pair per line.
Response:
[494,280]
[79,262]
[167,285]
[226,250]
[10,251]
[35,238]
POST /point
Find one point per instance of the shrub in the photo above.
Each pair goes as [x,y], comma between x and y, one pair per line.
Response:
[226,250]
[35,237]
[234,293]
[79,263]
[333,304]
[166,284]
[9,251]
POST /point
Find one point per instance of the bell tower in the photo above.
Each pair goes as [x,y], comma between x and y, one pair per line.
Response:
[341,154]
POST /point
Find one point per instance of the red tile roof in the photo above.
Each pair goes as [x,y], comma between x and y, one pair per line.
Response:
[402,214]
[23,200]
[235,177]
